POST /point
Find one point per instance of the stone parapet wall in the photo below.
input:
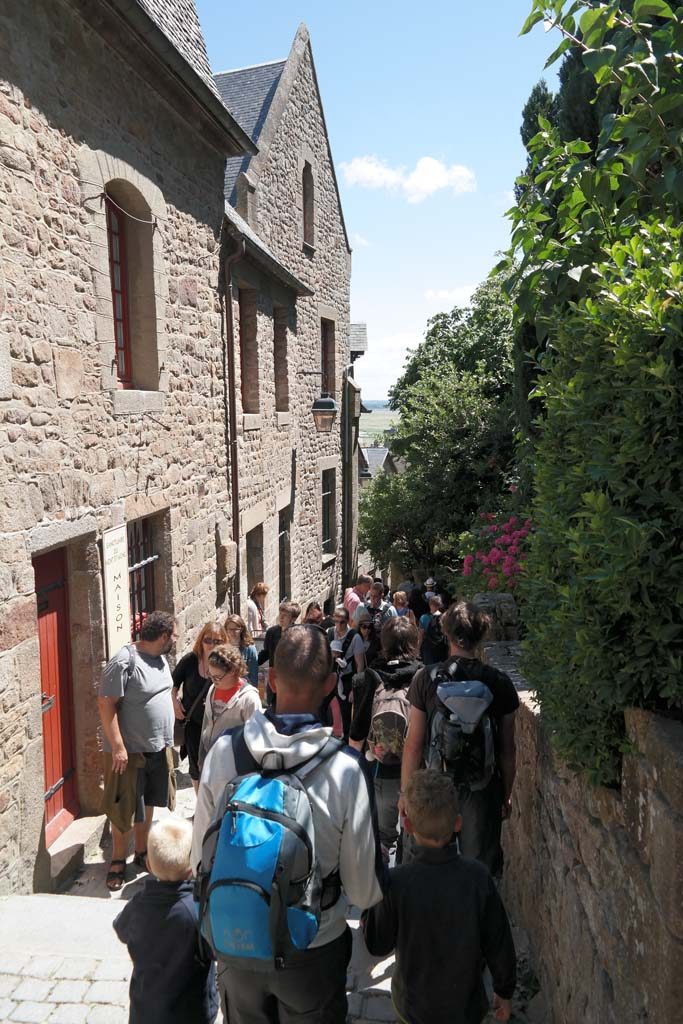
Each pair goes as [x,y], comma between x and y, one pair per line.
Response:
[595,875]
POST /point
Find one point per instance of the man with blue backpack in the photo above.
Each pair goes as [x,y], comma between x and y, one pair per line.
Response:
[284,840]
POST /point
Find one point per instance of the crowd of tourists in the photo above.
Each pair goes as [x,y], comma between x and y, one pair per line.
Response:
[360,759]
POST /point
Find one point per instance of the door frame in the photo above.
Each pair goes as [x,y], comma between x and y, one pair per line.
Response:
[70,809]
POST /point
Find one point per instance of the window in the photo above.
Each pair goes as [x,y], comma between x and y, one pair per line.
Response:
[130,231]
[249,350]
[141,559]
[285,571]
[280,318]
[254,540]
[308,204]
[329,533]
[327,357]
[118,270]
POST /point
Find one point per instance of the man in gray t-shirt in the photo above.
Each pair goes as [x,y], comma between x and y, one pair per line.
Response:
[137,716]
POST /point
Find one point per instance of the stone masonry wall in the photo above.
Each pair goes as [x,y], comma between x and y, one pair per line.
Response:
[595,875]
[77,456]
[283,445]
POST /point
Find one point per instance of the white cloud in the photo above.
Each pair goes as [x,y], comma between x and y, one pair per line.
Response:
[383,363]
[359,241]
[443,299]
[427,177]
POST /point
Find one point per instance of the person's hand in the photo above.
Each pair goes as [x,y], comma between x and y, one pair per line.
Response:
[502,1008]
[119,760]
[506,809]
[178,709]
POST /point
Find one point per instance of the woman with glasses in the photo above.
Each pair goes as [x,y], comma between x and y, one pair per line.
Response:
[191,676]
[230,701]
[240,637]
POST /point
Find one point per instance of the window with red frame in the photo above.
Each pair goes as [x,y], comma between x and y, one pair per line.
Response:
[118,270]
[141,559]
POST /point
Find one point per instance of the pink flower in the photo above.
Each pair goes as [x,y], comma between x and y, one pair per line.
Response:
[467,570]
[468,560]
[513,549]
[507,569]
[493,582]
[513,488]
[513,520]
[505,539]
[495,555]
[481,556]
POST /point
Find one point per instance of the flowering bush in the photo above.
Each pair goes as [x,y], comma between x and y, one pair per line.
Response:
[494,551]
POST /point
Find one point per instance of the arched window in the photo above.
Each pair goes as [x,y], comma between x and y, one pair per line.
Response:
[308,204]
[118,269]
[130,230]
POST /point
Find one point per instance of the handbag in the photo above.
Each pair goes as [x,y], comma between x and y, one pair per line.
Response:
[180,723]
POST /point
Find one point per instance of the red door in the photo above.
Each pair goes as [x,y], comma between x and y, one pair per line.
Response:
[61,805]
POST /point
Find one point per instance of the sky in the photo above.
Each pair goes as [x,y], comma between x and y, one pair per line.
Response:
[423,106]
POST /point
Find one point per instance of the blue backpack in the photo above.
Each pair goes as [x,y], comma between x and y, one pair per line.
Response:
[259,885]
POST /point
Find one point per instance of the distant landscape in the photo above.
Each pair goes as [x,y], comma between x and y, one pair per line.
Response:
[376,422]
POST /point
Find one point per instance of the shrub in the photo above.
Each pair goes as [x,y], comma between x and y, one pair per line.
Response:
[493,553]
[598,248]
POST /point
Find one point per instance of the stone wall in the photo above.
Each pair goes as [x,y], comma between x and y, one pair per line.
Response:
[78,454]
[595,875]
[282,457]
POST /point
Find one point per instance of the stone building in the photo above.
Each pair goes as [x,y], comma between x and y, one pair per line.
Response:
[288,273]
[158,443]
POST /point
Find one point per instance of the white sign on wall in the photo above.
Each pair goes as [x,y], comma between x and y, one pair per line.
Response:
[115,561]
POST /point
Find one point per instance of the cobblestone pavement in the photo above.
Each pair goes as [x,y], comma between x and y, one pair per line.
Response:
[60,961]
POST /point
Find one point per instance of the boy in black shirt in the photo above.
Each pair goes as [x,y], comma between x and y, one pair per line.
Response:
[174,980]
[443,915]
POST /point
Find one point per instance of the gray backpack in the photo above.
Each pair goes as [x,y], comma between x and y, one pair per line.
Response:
[460,734]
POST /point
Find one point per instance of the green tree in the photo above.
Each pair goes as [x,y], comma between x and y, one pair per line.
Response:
[455,436]
[596,265]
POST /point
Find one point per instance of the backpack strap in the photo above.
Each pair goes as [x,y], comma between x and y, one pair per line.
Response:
[245,762]
[331,747]
[130,668]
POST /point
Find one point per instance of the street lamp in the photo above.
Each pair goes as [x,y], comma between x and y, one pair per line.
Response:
[324,410]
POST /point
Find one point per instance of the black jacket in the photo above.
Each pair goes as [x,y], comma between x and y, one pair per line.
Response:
[443,916]
[173,981]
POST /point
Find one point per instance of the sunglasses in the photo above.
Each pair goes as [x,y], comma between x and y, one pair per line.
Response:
[365,625]
[211,640]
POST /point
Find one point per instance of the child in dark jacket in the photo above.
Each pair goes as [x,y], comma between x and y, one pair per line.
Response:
[174,980]
[443,916]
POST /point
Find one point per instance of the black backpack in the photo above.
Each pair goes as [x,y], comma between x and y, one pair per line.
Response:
[460,734]
[436,639]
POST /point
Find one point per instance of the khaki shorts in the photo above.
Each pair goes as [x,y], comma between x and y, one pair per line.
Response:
[145,783]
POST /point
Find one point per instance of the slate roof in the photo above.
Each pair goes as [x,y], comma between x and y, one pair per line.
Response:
[376,457]
[259,251]
[358,338]
[248,94]
[179,21]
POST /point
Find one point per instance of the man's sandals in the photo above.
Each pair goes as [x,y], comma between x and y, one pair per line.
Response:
[116,879]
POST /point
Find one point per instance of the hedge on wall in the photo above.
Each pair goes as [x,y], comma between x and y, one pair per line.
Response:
[598,251]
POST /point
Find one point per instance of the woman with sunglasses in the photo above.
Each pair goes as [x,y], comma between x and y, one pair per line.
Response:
[239,636]
[231,699]
[191,676]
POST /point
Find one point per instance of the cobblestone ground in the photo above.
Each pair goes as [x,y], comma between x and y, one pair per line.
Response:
[93,989]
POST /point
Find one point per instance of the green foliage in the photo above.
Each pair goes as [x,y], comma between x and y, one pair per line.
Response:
[455,435]
[596,264]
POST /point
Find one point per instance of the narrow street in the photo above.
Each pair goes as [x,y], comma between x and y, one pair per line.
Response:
[61,963]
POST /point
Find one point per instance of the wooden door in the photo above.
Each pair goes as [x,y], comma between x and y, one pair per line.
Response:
[61,805]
